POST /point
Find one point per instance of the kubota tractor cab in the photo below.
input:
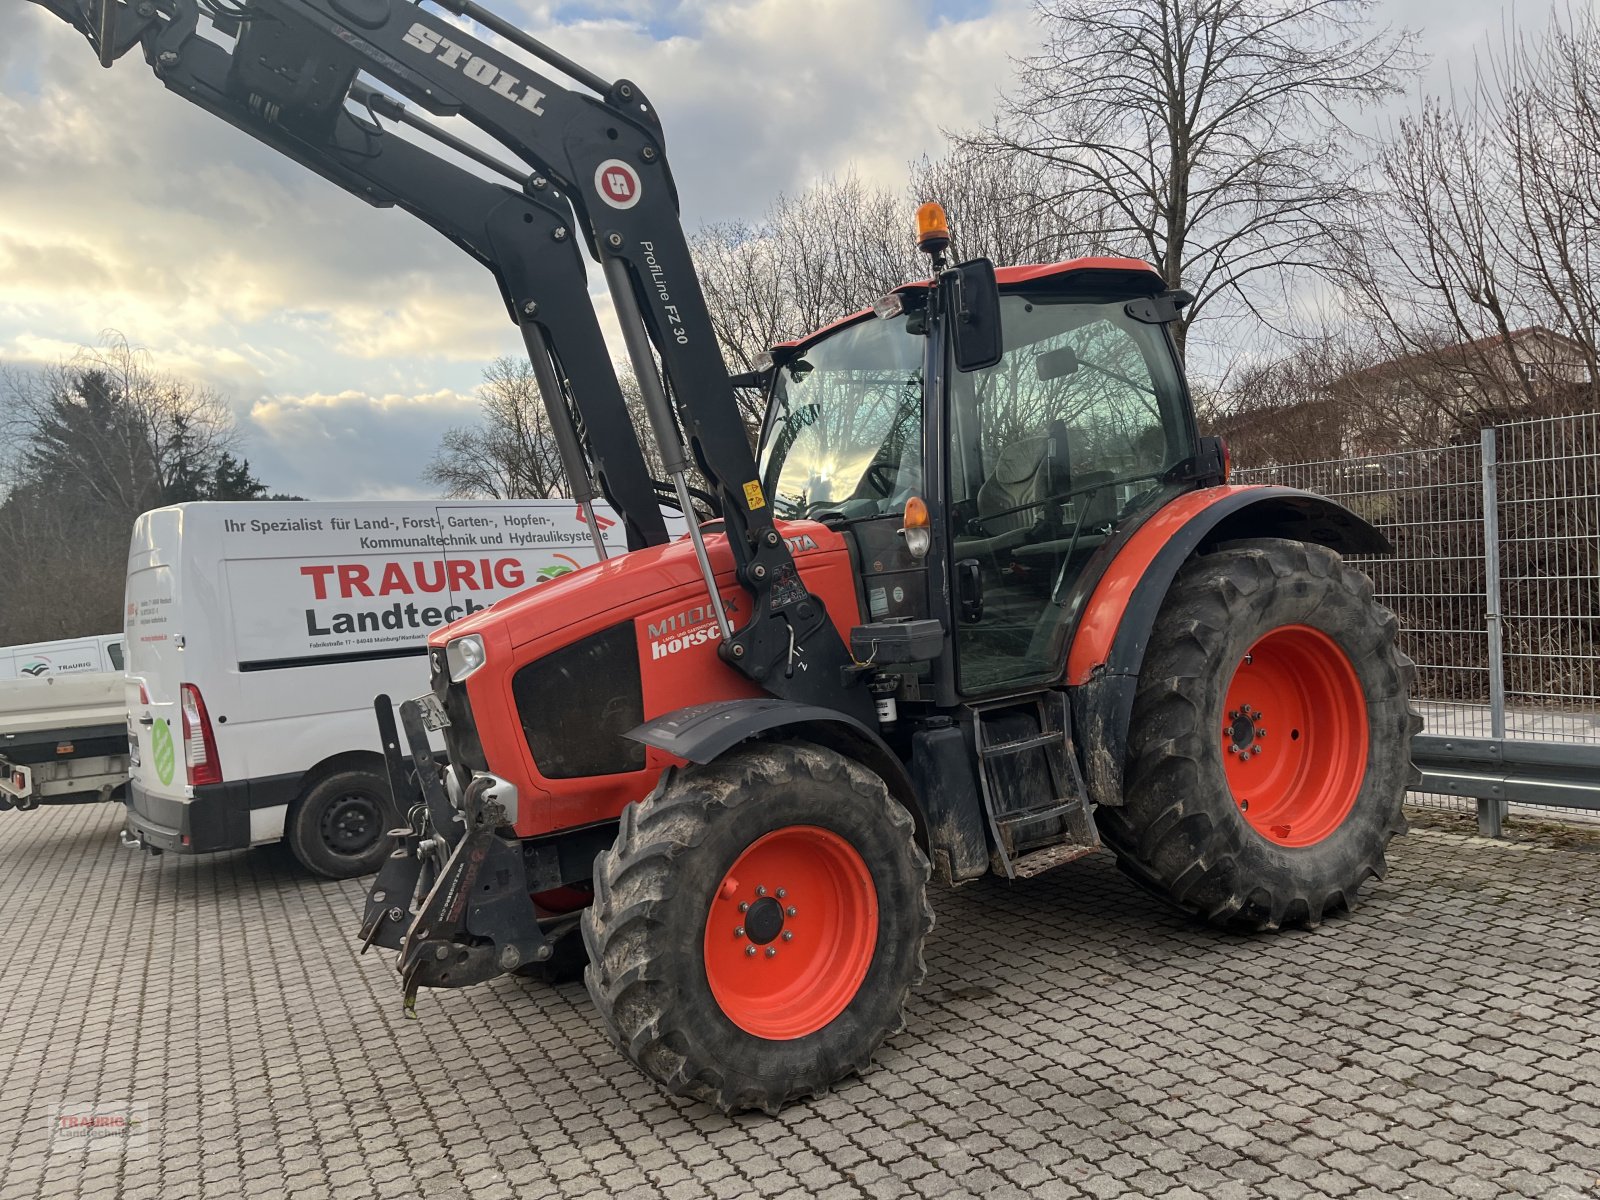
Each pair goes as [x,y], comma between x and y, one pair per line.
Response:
[982,597]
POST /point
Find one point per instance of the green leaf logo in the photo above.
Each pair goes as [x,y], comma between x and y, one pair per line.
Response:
[161,751]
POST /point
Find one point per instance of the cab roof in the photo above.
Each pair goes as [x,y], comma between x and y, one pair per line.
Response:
[1006,277]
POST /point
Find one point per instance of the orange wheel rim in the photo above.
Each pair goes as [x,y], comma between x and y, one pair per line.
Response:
[1294,736]
[791,932]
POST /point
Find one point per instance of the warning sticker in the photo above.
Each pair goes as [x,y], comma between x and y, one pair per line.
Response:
[618,183]
[753,496]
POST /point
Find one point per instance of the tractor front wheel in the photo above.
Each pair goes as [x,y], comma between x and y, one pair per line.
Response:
[1270,745]
[758,926]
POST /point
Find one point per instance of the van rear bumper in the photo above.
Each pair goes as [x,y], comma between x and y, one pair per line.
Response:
[217,817]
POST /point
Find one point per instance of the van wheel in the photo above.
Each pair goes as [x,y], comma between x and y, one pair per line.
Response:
[340,828]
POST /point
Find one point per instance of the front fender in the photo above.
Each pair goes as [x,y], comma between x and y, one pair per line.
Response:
[1108,647]
[702,732]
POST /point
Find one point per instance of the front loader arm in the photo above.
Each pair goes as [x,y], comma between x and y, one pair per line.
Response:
[605,153]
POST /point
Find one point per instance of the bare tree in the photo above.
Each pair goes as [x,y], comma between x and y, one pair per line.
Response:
[512,453]
[1476,266]
[1211,134]
[811,259]
[1005,206]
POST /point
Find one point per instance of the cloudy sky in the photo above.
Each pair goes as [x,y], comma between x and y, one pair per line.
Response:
[348,338]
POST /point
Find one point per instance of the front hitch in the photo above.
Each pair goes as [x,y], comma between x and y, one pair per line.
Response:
[477,922]
[476,919]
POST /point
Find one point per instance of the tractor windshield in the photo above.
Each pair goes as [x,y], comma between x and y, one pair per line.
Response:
[844,434]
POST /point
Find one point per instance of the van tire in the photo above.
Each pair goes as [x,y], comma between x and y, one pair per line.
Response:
[340,827]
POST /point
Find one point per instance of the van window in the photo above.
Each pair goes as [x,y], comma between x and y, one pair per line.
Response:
[114,653]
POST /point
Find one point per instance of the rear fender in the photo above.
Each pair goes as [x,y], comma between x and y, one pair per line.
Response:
[703,732]
[1108,647]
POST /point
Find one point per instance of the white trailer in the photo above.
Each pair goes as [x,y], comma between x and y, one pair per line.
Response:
[62,738]
[259,633]
[65,656]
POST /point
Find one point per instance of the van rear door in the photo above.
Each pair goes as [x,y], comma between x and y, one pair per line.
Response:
[154,678]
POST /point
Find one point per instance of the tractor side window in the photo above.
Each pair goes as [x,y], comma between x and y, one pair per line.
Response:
[845,432]
[1051,449]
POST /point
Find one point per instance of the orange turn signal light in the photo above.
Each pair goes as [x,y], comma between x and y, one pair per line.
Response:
[933,228]
[915,527]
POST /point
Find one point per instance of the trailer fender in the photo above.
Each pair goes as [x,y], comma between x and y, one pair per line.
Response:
[703,732]
[1107,649]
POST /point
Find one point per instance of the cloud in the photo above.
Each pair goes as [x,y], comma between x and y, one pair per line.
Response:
[350,444]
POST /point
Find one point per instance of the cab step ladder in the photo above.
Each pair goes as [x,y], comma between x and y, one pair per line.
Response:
[1063,803]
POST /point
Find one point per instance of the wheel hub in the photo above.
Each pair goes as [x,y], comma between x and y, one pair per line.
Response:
[764,922]
[1242,732]
[350,824]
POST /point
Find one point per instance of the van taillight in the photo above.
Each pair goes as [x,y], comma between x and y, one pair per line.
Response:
[199,746]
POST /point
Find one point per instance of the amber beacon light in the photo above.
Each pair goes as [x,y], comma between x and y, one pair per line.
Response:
[933,229]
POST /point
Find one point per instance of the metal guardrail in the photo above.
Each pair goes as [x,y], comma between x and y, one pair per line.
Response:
[1496,582]
[1498,771]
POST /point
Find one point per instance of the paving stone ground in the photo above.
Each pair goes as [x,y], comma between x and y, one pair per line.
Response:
[1073,1038]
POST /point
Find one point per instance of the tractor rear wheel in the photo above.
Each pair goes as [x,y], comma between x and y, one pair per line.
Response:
[758,926]
[1270,745]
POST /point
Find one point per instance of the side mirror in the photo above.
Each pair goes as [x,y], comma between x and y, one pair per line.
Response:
[972,306]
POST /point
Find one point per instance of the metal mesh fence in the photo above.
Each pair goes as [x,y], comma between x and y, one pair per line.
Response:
[1515,517]
[1549,546]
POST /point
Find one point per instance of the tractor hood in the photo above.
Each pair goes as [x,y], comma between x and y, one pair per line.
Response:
[621,587]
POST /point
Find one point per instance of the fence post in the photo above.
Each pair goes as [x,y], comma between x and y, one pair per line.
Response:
[1491,813]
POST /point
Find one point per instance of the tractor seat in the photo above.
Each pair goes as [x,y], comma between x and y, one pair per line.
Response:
[1020,476]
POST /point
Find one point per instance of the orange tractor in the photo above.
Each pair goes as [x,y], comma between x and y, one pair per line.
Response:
[981,598]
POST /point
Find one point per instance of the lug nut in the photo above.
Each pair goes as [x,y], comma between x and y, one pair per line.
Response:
[772,952]
[749,951]
[1255,749]
[739,932]
[744,906]
[761,889]
[790,911]
[788,935]
[781,893]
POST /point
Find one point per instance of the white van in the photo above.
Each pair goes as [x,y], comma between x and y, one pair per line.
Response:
[259,633]
[68,656]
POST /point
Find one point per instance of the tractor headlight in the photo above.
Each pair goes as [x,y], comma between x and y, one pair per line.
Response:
[463,656]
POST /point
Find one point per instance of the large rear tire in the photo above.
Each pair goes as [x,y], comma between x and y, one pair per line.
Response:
[758,926]
[1270,745]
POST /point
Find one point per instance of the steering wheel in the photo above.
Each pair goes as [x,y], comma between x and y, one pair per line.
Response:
[882,477]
